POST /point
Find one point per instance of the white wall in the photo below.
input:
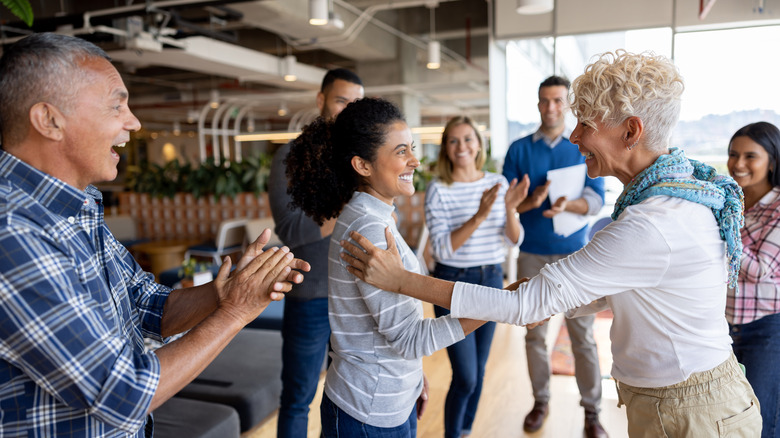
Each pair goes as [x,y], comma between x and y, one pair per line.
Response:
[499,141]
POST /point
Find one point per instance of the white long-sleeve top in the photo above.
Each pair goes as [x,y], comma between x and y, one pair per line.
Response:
[661,267]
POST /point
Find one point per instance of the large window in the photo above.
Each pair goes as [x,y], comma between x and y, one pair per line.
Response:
[730,78]
[730,81]
[530,61]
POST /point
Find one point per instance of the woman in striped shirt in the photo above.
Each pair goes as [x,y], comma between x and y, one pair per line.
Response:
[354,168]
[471,215]
[754,311]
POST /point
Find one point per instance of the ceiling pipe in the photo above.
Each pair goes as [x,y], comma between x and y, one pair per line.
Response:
[363,18]
[200,30]
[366,16]
[202,131]
[243,110]
[118,12]
[225,131]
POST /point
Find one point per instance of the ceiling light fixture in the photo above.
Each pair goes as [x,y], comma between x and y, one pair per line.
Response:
[434,47]
[534,7]
[282,109]
[318,12]
[434,55]
[427,130]
[288,68]
[169,152]
[268,136]
[214,99]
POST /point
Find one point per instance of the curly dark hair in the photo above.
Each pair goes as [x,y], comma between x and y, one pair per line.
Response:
[319,165]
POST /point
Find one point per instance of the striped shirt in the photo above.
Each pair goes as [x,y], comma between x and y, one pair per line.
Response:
[74,307]
[759,273]
[378,338]
[448,207]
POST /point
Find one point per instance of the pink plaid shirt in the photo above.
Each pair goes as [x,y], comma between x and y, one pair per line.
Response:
[759,273]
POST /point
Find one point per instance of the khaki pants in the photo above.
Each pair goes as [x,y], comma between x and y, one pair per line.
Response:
[586,357]
[715,403]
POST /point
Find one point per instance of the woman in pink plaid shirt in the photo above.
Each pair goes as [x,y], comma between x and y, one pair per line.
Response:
[754,310]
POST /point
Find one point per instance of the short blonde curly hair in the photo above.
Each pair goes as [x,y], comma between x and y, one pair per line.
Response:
[620,85]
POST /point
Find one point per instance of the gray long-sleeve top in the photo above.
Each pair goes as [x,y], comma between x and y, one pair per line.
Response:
[299,232]
[378,337]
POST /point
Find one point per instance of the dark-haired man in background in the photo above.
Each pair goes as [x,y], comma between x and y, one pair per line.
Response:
[547,149]
[305,328]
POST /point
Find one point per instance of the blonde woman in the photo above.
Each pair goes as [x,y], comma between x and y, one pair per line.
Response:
[471,216]
[662,266]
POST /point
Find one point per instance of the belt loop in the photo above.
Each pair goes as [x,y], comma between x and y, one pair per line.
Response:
[620,399]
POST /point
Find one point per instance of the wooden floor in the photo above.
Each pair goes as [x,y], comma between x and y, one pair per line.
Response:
[506,396]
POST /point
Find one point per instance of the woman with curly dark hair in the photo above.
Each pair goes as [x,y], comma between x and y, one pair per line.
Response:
[354,168]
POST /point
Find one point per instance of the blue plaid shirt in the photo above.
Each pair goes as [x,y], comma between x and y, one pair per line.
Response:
[74,309]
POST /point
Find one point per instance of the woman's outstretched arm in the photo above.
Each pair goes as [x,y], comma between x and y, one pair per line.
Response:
[384,269]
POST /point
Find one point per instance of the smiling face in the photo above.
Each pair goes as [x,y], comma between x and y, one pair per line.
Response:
[748,164]
[604,150]
[552,104]
[462,146]
[98,120]
[337,96]
[391,173]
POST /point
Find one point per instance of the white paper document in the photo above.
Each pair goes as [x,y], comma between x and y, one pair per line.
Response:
[568,182]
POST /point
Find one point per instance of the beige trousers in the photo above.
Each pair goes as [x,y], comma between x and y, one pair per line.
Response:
[715,403]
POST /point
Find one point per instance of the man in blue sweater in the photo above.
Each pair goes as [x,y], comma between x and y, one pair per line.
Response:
[305,327]
[547,149]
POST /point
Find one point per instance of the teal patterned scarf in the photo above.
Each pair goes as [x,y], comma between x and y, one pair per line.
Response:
[670,175]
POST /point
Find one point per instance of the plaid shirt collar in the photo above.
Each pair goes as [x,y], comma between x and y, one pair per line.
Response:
[52,193]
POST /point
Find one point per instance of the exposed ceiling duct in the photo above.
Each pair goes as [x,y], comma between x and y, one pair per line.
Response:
[290,19]
[172,52]
[212,57]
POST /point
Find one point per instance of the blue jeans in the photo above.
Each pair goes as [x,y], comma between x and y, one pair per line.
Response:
[467,357]
[757,347]
[338,424]
[305,335]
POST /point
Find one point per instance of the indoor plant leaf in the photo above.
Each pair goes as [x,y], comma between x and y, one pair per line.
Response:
[20,8]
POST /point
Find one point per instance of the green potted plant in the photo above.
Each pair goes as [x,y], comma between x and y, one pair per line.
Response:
[210,178]
[423,174]
[189,268]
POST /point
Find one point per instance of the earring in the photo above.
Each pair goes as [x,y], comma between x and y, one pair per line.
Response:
[628,148]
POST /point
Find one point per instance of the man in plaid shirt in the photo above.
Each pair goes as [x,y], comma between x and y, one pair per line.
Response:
[74,304]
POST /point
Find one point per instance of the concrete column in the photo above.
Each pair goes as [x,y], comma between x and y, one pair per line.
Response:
[410,102]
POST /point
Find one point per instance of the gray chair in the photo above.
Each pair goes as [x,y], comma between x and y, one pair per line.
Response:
[254,227]
[230,238]
[124,229]
[181,417]
[245,376]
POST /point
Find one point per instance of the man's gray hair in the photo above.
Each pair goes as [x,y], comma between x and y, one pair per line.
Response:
[43,67]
